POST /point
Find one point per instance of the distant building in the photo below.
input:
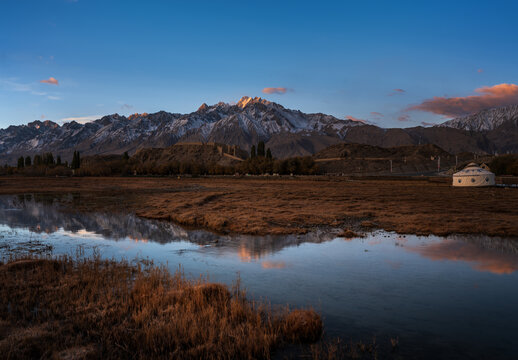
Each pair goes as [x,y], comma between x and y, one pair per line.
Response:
[474,175]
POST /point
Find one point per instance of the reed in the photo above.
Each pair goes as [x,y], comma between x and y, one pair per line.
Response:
[91,308]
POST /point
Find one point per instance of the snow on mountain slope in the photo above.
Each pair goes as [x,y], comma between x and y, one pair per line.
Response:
[249,121]
[485,120]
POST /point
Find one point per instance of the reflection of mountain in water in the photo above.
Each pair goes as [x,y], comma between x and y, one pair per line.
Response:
[43,214]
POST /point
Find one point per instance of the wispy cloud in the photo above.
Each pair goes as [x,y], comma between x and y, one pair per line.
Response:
[13,85]
[376,115]
[424,123]
[480,71]
[81,119]
[489,97]
[404,117]
[51,81]
[124,106]
[275,90]
[397,92]
[16,86]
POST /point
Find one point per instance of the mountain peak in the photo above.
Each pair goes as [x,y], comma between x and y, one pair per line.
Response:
[137,115]
[203,107]
[245,100]
[47,123]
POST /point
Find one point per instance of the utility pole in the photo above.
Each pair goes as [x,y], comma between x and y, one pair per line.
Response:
[391,166]
[439,164]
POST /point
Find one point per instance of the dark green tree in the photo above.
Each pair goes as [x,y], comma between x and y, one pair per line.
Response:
[269,154]
[125,156]
[49,159]
[27,161]
[21,162]
[58,160]
[37,160]
[260,149]
[76,160]
[252,152]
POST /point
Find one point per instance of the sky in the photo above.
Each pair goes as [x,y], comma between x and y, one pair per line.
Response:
[392,63]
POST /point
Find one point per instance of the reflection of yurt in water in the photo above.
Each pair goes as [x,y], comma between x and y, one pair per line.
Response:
[473,175]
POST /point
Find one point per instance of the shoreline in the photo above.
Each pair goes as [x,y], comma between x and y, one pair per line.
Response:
[290,206]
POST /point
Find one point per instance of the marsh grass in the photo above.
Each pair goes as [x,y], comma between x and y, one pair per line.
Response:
[91,308]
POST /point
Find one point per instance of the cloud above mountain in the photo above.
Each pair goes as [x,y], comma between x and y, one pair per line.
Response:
[51,81]
[81,119]
[488,97]
[275,90]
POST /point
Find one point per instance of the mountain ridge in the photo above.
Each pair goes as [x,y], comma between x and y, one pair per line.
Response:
[287,132]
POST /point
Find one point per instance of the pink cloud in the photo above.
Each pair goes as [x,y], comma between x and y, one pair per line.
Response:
[404,117]
[397,92]
[275,90]
[50,80]
[376,114]
[480,71]
[490,97]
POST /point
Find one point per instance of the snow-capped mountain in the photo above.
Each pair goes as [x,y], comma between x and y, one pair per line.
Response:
[286,132]
[249,121]
[485,120]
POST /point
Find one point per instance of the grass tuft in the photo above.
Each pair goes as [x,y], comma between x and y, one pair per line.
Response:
[91,308]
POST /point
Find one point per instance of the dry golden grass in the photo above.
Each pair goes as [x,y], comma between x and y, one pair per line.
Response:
[282,206]
[91,308]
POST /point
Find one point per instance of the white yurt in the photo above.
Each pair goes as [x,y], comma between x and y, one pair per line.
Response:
[473,175]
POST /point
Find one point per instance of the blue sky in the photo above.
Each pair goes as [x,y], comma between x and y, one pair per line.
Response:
[337,57]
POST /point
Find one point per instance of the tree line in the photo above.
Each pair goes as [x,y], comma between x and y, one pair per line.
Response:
[260,162]
[47,159]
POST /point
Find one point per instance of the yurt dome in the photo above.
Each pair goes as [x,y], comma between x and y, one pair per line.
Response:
[473,175]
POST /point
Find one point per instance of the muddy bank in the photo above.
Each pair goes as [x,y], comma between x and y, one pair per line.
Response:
[281,206]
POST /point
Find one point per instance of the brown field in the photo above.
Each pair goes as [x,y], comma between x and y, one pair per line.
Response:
[91,309]
[293,205]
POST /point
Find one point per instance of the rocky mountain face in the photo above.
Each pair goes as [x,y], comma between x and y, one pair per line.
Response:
[286,132]
[485,120]
[249,121]
[499,126]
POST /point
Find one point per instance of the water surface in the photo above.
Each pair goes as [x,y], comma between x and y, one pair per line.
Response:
[454,297]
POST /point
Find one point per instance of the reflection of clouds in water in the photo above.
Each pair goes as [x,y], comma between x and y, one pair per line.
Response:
[246,255]
[273,264]
[394,264]
[480,258]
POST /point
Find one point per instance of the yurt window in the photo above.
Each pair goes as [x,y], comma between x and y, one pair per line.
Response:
[472,179]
